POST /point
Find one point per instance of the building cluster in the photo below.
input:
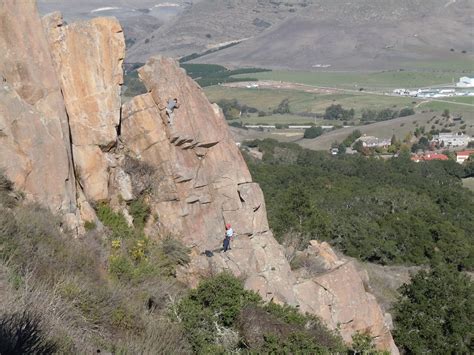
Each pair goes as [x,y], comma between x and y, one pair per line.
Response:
[460,89]
[451,140]
[374,142]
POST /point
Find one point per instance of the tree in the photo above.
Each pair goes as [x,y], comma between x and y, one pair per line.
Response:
[445,113]
[359,146]
[352,137]
[393,141]
[283,107]
[407,111]
[341,149]
[435,313]
[333,112]
[313,132]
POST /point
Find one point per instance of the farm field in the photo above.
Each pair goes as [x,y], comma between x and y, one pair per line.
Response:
[383,80]
[300,101]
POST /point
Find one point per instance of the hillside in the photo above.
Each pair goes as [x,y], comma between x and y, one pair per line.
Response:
[358,35]
[295,34]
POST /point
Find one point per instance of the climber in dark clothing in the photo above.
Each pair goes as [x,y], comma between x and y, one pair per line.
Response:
[170,106]
[229,235]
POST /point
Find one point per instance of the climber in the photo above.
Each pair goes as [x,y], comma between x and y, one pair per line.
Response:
[172,104]
[229,236]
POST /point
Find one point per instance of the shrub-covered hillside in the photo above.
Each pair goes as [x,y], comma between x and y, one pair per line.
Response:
[114,290]
[387,212]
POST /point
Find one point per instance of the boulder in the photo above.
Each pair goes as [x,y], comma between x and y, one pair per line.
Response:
[88,58]
[340,299]
[34,135]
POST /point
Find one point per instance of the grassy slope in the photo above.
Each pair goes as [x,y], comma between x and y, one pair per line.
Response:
[383,80]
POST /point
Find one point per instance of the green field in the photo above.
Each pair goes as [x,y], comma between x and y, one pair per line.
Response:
[300,101]
[385,80]
[462,99]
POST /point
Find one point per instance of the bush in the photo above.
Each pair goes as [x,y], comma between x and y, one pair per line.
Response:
[115,221]
[220,305]
[407,111]
[313,132]
[336,112]
[21,333]
[174,252]
[140,211]
[283,107]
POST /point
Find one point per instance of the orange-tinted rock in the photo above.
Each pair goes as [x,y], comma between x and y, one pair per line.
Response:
[202,182]
[88,57]
[338,296]
[34,136]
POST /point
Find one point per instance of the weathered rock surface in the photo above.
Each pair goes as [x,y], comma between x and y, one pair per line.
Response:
[201,182]
[34,135]
[338,296]
[88,57]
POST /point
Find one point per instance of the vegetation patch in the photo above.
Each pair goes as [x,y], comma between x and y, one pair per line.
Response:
[387,212]
[221,316]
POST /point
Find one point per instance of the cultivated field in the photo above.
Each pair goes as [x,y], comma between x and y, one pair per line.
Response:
[381,80]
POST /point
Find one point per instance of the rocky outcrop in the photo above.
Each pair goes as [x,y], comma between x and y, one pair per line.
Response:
[337,294]
[200,170]
[88,57]
[34,134]
[201,182]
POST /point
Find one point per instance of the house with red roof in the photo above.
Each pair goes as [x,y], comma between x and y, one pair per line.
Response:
[463,155]
[428,156]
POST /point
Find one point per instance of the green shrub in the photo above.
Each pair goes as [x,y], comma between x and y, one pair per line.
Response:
[140,212]
[313,132]
[220,305]
[115,221]
[174,251]
[362,343]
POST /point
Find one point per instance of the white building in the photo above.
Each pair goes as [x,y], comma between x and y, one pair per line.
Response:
[465,82]
[461,157]
[373,142]
[452,139]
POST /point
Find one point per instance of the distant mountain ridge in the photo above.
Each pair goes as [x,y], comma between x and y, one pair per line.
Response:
[358,34]
[290,34]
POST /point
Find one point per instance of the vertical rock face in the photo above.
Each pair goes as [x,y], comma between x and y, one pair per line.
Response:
[34,135]
[201,182]
[200,168]
[88,57]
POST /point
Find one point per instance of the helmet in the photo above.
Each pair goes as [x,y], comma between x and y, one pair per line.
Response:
[227,226]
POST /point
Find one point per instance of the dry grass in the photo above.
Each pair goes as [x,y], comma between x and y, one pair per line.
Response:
[65,285]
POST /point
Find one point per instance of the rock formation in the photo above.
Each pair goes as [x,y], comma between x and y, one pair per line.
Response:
[88,57]
[192,172]
[34,134]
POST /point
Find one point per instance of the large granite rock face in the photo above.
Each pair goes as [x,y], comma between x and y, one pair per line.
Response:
[34,135]
[201,182]
[88,57]
[199,167]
